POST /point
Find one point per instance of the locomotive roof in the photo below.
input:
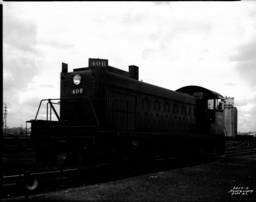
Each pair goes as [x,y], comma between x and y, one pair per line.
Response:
[200,92]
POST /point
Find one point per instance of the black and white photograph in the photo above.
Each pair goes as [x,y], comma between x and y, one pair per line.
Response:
[129,101]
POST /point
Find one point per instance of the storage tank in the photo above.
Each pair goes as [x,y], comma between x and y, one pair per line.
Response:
[230,117]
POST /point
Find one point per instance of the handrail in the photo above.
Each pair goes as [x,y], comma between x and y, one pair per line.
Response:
[49,101]
[52,107]
[41,103]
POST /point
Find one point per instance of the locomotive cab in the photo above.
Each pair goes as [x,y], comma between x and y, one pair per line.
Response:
[212,106]
[210,118]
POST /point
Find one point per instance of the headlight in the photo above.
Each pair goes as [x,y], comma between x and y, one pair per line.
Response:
[77,79]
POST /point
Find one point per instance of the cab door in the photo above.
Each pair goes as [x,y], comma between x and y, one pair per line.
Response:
[216,115]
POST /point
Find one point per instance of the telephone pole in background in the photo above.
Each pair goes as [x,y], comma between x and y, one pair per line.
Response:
[5,118]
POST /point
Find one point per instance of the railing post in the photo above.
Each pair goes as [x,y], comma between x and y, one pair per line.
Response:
[50,114]
[38,109]
[47,111]
[49,100]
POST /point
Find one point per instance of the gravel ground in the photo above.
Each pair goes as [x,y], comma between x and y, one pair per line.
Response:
[231,179]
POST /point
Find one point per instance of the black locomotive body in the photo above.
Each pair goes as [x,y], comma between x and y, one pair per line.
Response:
[107,114]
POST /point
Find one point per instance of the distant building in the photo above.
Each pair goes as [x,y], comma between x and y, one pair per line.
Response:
[230,117]
[252,134]
[229,101]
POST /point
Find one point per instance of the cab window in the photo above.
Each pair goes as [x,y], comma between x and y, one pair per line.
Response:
[216,104]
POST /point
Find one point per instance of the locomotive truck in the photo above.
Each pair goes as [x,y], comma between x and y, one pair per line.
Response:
[107,115]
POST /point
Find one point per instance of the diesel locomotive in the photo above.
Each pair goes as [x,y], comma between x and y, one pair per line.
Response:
[107,115]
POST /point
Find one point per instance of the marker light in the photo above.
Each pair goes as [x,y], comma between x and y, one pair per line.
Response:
[77,79]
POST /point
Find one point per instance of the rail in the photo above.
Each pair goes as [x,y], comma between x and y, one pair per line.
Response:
[51,106]
[30,181]
[240,152]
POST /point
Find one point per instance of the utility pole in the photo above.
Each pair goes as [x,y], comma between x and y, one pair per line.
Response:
[5,118]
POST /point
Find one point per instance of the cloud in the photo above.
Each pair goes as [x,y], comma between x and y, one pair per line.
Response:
[19,67]
[31,101]
[56,44]
[19,33]
[246,115]
[8,80]
[21,56]
[158,3]
[230,84]
[245,59]
[174,44]
[247,108]
[245,52]
[131,19]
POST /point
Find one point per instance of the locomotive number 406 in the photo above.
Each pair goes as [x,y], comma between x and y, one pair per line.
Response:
[77,91]
[98,62]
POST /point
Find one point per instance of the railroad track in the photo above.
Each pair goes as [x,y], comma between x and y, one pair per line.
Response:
[12,145]
[241,152]
[240,145]
[13,180]
[243,148]
[43,182]
[28,183]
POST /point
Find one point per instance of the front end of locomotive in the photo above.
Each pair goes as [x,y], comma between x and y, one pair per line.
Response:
[79,94]
[65,127]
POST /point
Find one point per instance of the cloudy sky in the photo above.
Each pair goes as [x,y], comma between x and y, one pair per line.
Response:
[175,44]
